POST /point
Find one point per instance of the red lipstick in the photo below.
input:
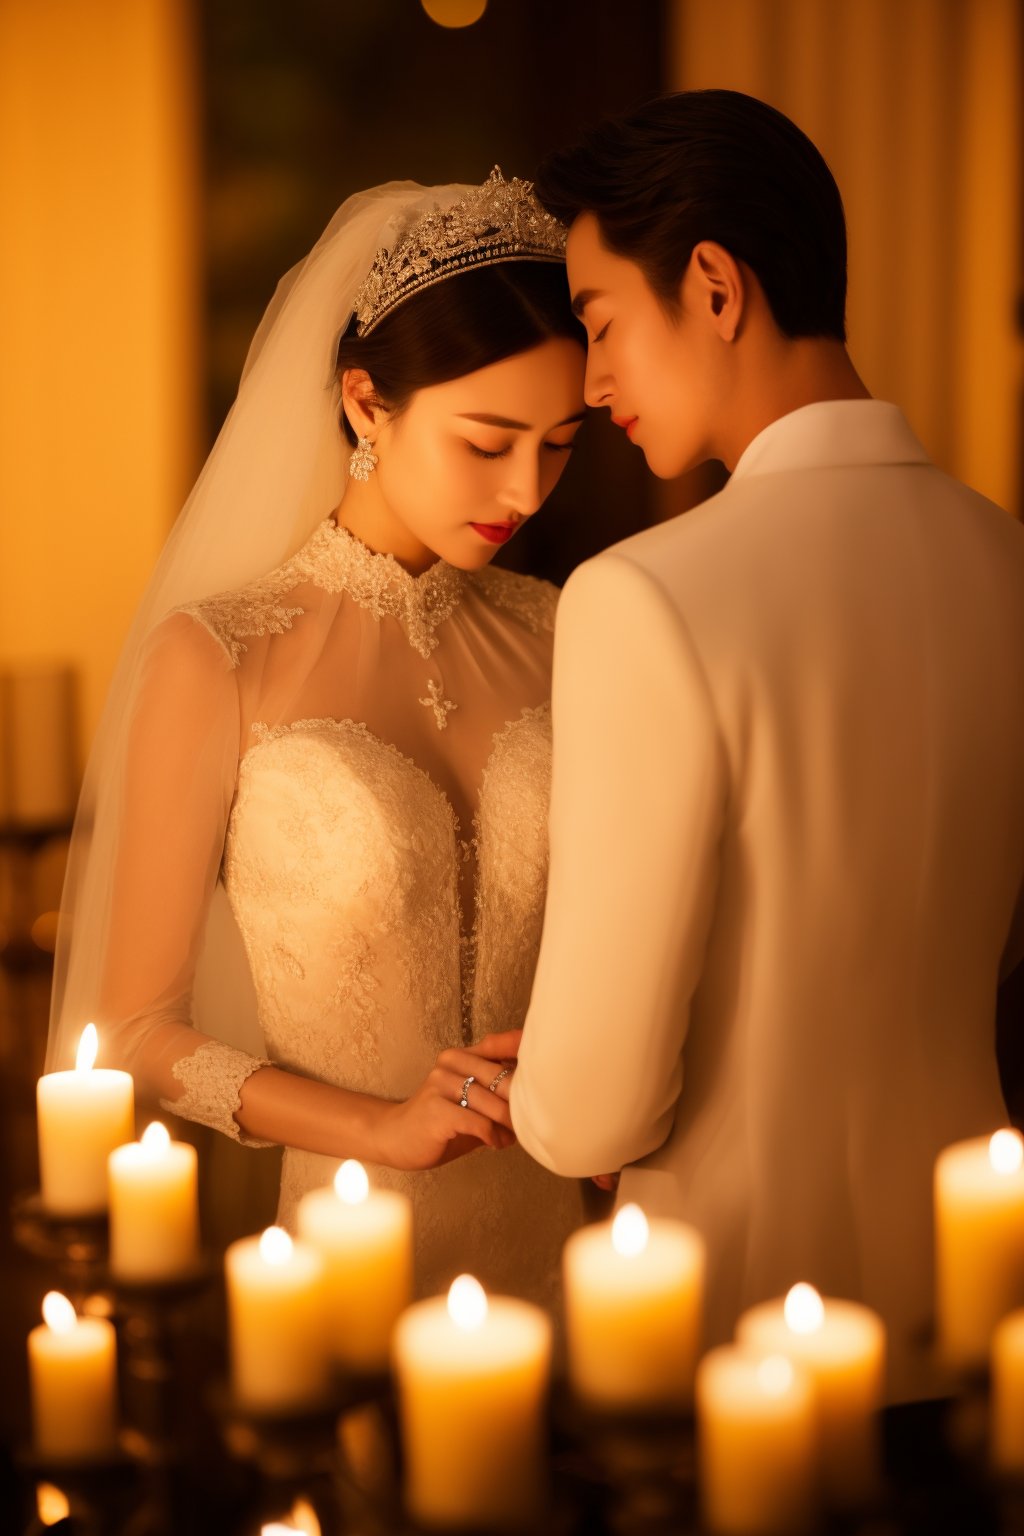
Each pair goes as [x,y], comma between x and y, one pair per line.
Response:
[627,423]
[495,533]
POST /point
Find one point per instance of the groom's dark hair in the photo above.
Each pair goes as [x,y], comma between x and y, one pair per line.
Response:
[712,165]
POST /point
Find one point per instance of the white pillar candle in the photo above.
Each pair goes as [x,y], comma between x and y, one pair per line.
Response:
[154,1213]
[757,1444]
[842,1346]
[472,1375]
[82,1116]
[276,1323]
[73,1377]
[365,1240]
[1007,1396]
[979,1242]
[633,1292]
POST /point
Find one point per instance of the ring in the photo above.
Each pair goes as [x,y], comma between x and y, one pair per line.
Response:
[493,1087]
[464,1101]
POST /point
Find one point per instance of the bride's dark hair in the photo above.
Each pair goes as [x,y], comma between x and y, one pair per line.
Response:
[712,165]
[459,325]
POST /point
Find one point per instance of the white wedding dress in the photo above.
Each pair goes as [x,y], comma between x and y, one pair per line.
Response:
[363,757]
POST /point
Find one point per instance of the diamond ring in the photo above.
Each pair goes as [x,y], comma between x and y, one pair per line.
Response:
[464,1101]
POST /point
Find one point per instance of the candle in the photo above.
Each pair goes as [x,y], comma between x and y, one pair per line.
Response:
[633,1292]
[1007,1399]
[82,1116]
[72,1365]
[365,1241]
[842,1347]
[472,1374]
[979,1242]
[276,1322]
[757,1443]
[154,1217]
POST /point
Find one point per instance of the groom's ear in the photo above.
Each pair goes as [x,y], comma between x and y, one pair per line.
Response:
[717,286]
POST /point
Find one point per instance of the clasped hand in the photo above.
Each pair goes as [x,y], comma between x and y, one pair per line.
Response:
[433,1126]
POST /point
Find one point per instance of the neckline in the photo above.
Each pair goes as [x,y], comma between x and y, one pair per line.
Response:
[339,562]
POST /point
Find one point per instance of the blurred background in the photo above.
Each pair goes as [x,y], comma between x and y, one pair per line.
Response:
[163,162]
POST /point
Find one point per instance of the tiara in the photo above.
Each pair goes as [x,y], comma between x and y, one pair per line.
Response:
[499,221]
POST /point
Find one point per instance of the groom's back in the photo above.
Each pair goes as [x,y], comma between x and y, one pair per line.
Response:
[860,626]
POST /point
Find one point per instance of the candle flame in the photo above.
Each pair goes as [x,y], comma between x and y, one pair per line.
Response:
[350,1182]
[278,1528]
[88,1049]
[58,1313]
[51,1504]
[303,1518]
[1006,1152]
[156,1140]
[775,1376]
[275,1246]
[467,1303]
[630,1231]
[804,1310]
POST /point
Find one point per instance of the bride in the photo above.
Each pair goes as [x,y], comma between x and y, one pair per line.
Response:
[332,703]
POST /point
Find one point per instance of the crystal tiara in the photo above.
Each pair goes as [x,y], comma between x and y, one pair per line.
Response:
[499,221]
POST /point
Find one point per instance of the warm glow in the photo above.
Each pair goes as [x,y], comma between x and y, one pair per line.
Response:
[1006,1152]
[275,1246]
[350,1182]
[630,1231]
[155,1140]
[467,1303]
[44,937]
[51,1504]
[88,1049]
[804,1310]
[58,1313]
[775,1376]
[454,13]
[277,1528]
[303,1518]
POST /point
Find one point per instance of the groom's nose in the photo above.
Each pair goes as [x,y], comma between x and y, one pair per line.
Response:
[597,382]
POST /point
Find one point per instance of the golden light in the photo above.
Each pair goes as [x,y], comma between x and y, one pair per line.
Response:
[51,1504]
[303,1518]
[88,1049]
[803,1310]
[1006,1152]
[467,1303]
[775,1376]
[630,1231]
[44,931]
[275,1246]
[454,13]
[155,1140]
[58,1313]
[351,1184]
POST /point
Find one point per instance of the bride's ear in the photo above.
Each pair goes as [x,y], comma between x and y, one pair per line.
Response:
[720,290]
[362,405]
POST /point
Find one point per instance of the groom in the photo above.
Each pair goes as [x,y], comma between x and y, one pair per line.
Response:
[787,833]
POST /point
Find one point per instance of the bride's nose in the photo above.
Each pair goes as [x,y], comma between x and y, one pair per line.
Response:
[521,492]
[597,382]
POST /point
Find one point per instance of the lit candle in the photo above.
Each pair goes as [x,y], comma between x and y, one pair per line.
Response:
[276,1319]
[633,1292]
[472,1375]
[365,1240]
[757,1444]
[979,1242]
[154,1217]
[842,1347]
[1007,1398]
[72,1365]
[82,1116]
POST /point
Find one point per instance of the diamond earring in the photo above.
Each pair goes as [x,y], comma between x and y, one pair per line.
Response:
[363,461]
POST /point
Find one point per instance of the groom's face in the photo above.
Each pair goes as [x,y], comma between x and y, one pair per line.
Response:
[656,372]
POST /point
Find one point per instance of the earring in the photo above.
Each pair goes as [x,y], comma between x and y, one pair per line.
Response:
[363,461]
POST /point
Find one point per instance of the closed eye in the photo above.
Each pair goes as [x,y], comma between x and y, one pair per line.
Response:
[602,333]
[561,447]
[482,453]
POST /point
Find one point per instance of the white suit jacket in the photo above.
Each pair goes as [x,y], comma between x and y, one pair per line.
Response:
[787,857]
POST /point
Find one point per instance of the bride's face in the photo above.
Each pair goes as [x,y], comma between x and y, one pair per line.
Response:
[464,465]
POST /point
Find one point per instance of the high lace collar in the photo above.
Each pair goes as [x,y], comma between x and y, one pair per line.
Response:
[339,562]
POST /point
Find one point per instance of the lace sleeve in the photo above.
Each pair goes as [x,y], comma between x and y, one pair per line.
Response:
[173,807]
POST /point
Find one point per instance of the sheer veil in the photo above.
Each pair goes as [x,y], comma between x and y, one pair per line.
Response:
[276,469]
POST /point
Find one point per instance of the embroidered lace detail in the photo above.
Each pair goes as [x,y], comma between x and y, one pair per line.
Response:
[338,562]
[212,1079]
[530,600]
[438,703]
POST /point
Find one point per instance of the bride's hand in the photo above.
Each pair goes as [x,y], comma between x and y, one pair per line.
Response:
[431,1127]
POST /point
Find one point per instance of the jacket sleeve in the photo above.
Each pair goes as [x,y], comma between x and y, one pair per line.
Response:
[636,814]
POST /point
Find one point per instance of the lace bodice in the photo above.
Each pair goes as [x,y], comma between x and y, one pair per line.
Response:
[363,757]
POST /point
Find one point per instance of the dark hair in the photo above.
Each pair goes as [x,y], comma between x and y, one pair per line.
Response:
[712,165]
[459,325]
